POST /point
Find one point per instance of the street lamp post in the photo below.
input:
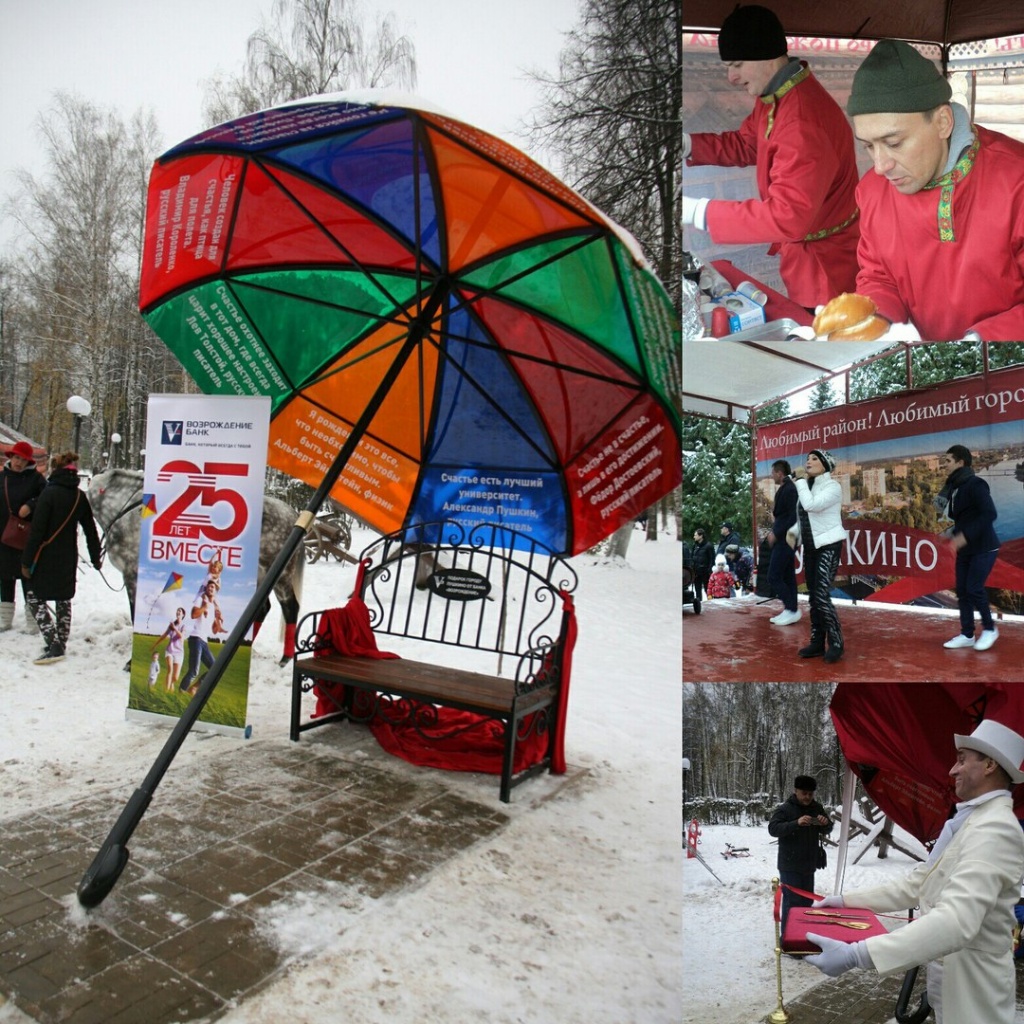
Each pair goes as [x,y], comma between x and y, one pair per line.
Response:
[115,440]
[79,408]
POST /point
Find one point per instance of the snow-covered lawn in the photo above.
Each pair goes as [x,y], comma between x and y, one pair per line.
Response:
[728,926]
[570,914]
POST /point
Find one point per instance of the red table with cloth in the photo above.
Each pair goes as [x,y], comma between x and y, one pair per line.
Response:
[778,307]
[457,740]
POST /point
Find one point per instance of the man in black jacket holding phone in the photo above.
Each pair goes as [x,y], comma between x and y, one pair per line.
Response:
[797,824]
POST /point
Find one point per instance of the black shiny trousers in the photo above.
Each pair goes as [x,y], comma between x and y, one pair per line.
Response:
[820,568]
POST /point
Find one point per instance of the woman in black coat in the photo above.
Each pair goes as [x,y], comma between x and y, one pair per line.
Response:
[50,561]
[20,485]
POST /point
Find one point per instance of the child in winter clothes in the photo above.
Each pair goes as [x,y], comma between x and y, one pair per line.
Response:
[722,582]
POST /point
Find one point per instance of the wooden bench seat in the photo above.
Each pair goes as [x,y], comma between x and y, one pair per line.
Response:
[484,589]
[452,687]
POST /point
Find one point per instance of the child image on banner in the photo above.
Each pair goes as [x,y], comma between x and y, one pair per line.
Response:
[190,639]
[174,653]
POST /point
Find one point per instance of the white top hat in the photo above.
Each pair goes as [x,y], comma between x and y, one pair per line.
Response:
[999,742]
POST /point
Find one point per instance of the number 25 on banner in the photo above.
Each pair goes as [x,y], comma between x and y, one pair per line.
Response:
[176,521]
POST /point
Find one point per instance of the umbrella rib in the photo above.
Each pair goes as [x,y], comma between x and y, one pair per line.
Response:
[506,168]
[267,164]
[396,318]
[585,239]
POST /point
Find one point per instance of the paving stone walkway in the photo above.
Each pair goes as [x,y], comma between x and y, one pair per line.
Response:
[183,936]
[862,997]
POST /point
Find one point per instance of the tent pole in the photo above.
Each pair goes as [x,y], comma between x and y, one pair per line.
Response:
[102,874]
[849,789]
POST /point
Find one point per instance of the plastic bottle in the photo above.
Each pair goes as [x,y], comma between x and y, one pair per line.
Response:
[752,292]
[712,282]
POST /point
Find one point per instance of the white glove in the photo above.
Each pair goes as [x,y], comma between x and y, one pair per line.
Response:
[838,957]
[901,332]
[687,146]
[693,212]
[828,901]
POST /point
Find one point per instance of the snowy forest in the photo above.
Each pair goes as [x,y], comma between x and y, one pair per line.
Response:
[609,123]
[745,743]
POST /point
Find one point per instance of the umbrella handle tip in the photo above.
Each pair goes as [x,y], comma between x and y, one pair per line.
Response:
[102,875]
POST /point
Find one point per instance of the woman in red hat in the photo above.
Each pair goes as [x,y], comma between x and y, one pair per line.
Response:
[22,484]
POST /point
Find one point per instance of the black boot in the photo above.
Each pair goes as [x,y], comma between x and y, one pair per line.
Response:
[815,649]
[834,654]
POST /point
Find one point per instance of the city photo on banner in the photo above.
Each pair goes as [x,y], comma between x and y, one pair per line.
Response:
[202,509]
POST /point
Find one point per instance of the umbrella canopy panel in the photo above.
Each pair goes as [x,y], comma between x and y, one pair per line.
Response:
[291,253]
[933,21]
[898,739]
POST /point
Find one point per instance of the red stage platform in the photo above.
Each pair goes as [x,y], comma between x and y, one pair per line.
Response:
[732,641]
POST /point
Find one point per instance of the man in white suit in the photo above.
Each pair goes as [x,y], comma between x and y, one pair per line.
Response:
[966,891]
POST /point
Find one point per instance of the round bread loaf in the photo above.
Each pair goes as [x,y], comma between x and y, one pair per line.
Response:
[850,317]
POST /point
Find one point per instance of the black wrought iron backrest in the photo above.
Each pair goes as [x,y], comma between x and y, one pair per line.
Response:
[485,587]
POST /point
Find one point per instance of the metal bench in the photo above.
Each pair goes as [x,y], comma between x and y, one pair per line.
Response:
[480,589]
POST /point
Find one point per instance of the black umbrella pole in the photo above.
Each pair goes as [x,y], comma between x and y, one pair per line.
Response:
[108,864]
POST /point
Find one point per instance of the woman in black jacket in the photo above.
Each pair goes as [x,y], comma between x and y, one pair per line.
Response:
[50,561]
[21,485]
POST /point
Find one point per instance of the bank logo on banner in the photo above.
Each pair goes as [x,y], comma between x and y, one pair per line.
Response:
[172,431]
[202,511]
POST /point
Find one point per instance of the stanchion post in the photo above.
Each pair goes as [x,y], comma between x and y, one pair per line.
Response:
[779,1015]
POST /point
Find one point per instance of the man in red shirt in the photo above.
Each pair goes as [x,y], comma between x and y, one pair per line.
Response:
[801,143]
[942,216]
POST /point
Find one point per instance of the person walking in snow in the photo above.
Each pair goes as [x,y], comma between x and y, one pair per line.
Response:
[22,485]
[49,563]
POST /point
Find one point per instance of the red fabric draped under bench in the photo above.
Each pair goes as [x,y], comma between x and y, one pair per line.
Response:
[347,632]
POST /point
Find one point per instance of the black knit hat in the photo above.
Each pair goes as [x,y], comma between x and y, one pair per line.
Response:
[896,79]
[805,782]
[751,33]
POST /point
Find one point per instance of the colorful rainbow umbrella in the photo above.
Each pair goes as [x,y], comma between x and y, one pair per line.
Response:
[445,330]
[308,251]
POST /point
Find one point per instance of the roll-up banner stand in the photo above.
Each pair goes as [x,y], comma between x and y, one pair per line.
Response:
[202,509]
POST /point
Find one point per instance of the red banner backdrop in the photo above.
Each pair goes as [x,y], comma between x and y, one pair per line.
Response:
[887,453]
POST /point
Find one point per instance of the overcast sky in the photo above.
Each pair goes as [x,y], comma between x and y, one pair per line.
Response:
[126,54]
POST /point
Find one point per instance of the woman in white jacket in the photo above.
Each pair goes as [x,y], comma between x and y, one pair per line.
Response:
[820,526]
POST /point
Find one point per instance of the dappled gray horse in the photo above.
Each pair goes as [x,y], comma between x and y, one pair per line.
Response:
[116,497]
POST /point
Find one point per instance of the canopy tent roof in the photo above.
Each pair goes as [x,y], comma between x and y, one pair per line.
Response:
[727,379]
[9,436]
[944,22]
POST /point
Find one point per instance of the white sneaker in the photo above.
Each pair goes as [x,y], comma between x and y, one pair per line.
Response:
[775,618]
[787,618]
[961,641]
[987,639]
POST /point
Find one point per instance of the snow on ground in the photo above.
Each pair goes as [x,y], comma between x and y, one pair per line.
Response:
[570,914]
[729,929]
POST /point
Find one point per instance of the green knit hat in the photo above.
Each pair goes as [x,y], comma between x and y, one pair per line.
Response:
[896,79]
